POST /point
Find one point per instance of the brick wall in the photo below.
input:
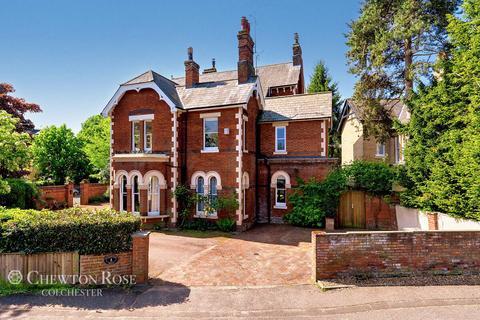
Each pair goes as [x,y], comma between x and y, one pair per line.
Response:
[394,253]
[134,262]
[90,190]
[56,195]
[379,215]
[303,138]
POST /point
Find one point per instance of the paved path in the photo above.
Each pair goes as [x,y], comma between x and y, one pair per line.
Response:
[264,255]
[278,302]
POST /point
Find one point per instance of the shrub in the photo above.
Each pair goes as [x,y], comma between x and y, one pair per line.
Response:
[226,224]
[375,178]
[75,229]
[314,200]
[200,224]
[22,194]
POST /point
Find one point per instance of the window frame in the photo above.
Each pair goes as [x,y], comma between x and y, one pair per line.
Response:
[197,206]
[150,196]
[281,205]
[205,148]
[145,135]
[135,194]
[210,194]
[123,205]
[377,149]
[284,139]
[136,150]
[244,129]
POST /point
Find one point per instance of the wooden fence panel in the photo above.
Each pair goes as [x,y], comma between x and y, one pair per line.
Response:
[52,263]
[351,211]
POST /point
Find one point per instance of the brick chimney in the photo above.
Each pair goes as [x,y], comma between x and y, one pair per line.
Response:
[192,75]
[297,51]
[245,66]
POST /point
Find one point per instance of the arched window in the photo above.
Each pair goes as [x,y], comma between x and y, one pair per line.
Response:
[212,192]
[153,196]
[135,195]
[281,192]
[201,192]
[123,194]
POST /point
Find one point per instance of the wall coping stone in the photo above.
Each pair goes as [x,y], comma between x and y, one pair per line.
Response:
[141,234]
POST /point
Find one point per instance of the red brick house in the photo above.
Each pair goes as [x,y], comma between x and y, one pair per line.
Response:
[248,132]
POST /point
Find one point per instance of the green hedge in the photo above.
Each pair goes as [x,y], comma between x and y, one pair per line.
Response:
[75,229]
[22,194]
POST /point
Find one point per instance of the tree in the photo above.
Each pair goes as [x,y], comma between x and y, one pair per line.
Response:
[14,152]
[58,156]
[391,46]
[321,81]
[95,136]
[17,107]
[443,153]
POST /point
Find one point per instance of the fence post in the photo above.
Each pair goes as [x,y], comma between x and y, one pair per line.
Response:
[140,256]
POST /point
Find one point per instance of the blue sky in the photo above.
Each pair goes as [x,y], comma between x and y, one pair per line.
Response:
[70,56]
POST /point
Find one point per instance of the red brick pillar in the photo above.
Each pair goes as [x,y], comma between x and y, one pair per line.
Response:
[140,256]
[116,198]
[129,198]
[84,192]
[143,201]
[432,221]
[69,194]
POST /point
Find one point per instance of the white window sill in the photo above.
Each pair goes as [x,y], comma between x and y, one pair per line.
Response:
[280,152]
[202,216]
[245,151]
[380,156]
[278,206]
[209,150]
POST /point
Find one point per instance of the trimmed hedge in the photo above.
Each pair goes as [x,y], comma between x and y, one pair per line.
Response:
[75,229]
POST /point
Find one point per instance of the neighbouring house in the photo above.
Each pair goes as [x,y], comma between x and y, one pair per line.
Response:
[249,133]
[357,147]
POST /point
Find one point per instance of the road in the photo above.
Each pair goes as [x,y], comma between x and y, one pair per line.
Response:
[268,302]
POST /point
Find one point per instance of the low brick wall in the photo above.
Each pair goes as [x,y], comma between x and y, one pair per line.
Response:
[134,262]
[394,253]
[51,195]
[90,190]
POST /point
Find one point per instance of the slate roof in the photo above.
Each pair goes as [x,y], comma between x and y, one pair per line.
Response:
[395,106]
[166,85]
[297,107]
[218,88]
[273,75]
[398,110]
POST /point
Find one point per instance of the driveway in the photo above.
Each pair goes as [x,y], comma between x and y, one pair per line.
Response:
[264,255]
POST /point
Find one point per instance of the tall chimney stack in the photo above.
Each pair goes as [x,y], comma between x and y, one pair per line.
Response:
[192,74]
[245,66]
[297,51]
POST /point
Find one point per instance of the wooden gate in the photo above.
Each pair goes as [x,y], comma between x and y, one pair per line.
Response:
[351,211]
[52,263]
